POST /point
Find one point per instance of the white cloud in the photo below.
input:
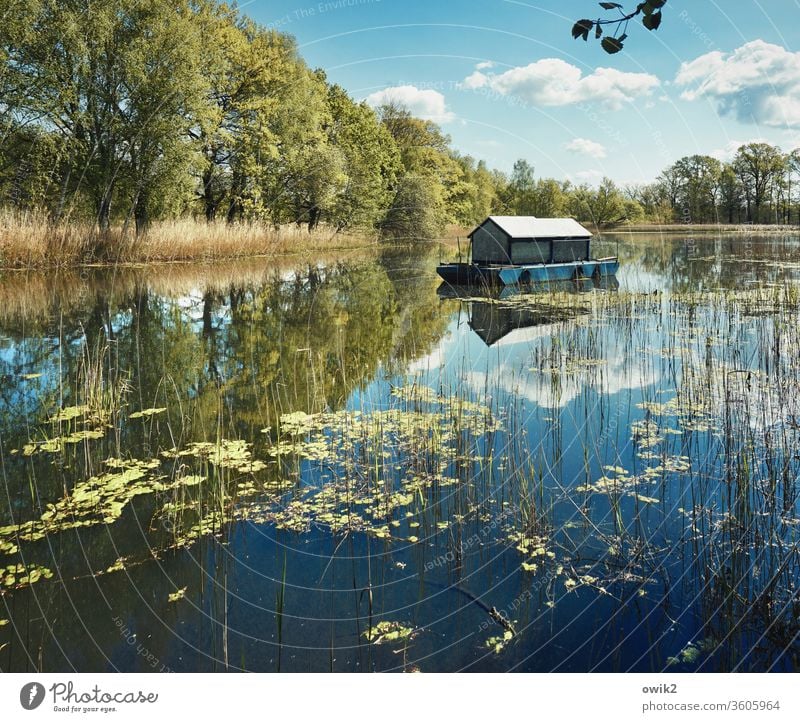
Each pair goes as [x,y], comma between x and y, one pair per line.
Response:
[475,81]
[485,65]
[615,378]
[592,176]
[758,82]
[555,82]
[728,151]
[584,146]
[426,104]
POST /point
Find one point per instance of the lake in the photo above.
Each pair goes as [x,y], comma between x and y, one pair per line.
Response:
[333,464]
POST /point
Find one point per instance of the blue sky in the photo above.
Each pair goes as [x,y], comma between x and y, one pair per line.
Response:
[506,80]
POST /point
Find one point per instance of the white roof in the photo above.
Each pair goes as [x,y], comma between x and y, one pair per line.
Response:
[528,334]
[532,227]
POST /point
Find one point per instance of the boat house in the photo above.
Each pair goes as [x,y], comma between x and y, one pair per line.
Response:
[527,240]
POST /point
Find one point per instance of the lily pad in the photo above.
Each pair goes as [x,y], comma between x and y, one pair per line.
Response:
[178,595]
[145,413]
[386,631]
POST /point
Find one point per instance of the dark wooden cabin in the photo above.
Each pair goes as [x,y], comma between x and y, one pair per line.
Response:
[522,240]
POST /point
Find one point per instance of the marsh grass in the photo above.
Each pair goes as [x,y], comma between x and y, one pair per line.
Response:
[32,241]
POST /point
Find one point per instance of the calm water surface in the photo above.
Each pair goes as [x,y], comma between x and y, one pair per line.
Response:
[336,464]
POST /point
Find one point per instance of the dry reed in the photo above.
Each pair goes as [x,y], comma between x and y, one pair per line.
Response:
[30,241]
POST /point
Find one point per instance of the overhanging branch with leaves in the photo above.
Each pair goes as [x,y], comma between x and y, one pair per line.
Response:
[650,12]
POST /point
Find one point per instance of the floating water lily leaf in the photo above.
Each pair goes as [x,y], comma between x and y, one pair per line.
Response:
[99,499]
[498,644]
[297,422]
[227,454]
[117,566]
[690,654]
[146,412]
[385,631]
[18,576]
[56,445]
[70,412]
[7,547]
[176,596]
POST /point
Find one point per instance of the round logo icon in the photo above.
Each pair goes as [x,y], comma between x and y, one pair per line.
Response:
[31,695]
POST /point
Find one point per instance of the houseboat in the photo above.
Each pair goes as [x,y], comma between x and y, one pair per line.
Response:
[510,250]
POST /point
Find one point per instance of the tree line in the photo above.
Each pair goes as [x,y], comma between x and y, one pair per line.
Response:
[760,184]
[129,111]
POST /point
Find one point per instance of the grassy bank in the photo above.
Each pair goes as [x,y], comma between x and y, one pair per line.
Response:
[30,241]
[743,228]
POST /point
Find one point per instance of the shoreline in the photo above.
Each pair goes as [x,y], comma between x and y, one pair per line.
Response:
[677,228]
[32,243]
[27,246]
[29,243]
[131,264]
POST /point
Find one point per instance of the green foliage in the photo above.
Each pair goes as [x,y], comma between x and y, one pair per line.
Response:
[248,77]
[603,206]
[756,187]
[129,110]
[116,84]
[413,214]
[370,157]
[698,177]
[521,188]
[758,166]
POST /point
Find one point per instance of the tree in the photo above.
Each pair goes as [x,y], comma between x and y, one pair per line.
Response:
[474,194]
[792,169]
[425,153]
[548,199]
[730,193]
[249,73]
[670,181]
[300,180]
[114,81]
[371,162]
[164,99]
[697,177]
[757,165]
[604,205]
[30,166]
[413,213]
[412,135]
[486,191]
[652,201]
[650,10]
[521,188]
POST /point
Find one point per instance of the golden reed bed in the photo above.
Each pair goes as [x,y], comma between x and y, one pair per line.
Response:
[30,241]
